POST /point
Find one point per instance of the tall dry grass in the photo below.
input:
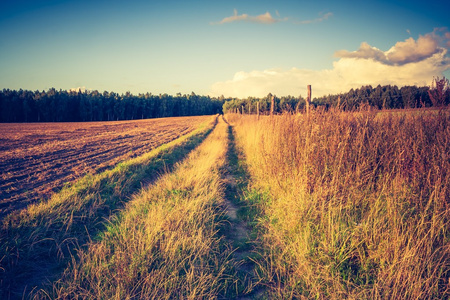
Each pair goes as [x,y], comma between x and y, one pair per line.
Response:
[165,244]
[359,203]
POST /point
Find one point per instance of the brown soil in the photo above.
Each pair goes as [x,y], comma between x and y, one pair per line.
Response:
[37,159]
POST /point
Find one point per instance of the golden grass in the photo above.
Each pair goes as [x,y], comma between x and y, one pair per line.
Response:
[352,205]
[359,203]
[164,245]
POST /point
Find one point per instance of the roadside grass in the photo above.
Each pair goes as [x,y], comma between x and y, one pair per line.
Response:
[356,204]
[37,243]
[165,243]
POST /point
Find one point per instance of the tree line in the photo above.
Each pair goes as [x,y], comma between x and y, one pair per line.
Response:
[380,97]
[78,106]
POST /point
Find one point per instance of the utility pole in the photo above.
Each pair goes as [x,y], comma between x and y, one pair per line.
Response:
[308,99]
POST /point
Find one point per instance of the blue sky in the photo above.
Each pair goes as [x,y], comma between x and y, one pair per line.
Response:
[234,48]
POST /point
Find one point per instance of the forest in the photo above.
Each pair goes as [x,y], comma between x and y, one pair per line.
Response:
[78,106]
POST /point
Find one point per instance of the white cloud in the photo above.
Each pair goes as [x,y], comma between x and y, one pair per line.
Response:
[264,18]
[409,62]
[408,51]
[268,19]
[365,51]
[347,73]
[413,51]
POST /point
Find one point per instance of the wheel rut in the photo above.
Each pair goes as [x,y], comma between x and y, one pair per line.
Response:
[238,233]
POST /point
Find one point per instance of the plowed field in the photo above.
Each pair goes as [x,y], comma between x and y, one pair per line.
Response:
[37,159]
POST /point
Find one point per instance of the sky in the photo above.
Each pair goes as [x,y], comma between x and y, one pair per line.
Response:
[230,48]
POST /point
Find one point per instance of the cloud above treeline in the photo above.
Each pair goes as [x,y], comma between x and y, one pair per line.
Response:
[409,62]
[408,51]
[267,18]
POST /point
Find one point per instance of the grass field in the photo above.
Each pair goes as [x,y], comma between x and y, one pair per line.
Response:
[352,205]
[325,205]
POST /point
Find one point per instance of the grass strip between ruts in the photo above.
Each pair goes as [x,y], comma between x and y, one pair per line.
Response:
[165,243]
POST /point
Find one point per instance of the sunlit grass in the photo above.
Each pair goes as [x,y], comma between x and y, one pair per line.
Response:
[164,245]
[358,206]
[343,205]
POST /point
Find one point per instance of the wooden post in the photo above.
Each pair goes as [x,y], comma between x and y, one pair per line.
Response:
[272,106]
[308,99]
[257,109]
